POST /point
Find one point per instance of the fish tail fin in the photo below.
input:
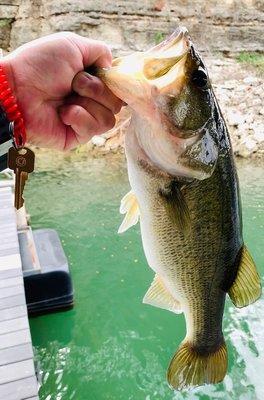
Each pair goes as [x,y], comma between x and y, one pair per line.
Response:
[189,368]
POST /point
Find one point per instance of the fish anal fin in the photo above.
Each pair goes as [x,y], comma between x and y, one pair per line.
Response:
[246,288]
[159,296]
[129,206]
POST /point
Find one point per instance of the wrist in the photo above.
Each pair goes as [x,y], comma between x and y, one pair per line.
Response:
[7,66]
[8,101]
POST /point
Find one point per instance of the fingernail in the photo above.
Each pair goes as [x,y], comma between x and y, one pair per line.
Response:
[88,85]
[108,64]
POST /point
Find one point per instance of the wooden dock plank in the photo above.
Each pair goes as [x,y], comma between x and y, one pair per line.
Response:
[16,353]
[16,371]
[19,390]
[13,325]
[11,291]
[10,273]
[32,398]
[14,312]
[9,302]
[5,283]
[6,227]
[10,262]
[7,241]
[9,251]
[15,338]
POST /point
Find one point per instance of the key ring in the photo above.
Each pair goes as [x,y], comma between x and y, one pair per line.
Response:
[11,130]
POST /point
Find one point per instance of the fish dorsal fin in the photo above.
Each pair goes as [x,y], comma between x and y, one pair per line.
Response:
[129,206]
[159,296]
[176,207]
[246,288]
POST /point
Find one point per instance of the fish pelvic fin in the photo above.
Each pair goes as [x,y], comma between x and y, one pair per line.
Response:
[159,296]
[190,368]
[129,206]
[246,288]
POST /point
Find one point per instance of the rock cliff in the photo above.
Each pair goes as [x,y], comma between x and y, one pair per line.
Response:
[229,25]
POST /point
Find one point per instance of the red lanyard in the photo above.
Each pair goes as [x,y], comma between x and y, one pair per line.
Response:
[9,104]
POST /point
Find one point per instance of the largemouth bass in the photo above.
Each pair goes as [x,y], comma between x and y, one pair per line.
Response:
[184,190]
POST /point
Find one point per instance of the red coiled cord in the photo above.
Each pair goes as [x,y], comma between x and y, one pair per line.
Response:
[9,104]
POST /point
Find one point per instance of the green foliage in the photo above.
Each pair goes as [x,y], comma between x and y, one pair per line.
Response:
[252,58]
[5,22]
[159,37]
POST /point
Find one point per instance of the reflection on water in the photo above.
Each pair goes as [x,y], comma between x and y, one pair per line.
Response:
[110,346]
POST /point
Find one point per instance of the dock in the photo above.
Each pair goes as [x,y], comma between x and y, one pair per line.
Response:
[18,379]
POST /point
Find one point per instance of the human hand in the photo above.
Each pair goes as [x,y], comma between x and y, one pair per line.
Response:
[41,76]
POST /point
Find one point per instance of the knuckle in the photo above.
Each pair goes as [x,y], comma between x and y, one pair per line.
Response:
[103,45]
[105,49]
[117,106]
[94,127]
[106,122]
[76,110]
[110,121]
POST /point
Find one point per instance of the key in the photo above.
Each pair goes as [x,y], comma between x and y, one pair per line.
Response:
[22,163]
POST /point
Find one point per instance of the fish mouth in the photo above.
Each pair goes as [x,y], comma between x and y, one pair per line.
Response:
[164,62]
[160,70]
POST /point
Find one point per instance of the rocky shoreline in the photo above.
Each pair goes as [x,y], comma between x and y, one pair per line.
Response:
[239,91]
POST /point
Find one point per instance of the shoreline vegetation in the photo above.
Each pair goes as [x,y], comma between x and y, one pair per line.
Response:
[252,59]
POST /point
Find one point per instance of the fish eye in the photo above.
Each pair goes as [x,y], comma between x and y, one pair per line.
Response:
[199,78]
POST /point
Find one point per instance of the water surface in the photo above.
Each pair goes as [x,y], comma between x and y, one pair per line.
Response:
[111,346]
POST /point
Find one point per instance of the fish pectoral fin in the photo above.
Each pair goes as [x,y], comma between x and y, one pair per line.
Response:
[246,288]
[159,296]
[129,206]
[176,207]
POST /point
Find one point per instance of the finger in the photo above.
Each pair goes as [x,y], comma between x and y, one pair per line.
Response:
[94,52]
[87,123]
[71,139]
[101,113]
[90,86]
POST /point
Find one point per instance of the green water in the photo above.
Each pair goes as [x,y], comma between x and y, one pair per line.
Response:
[111,346]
